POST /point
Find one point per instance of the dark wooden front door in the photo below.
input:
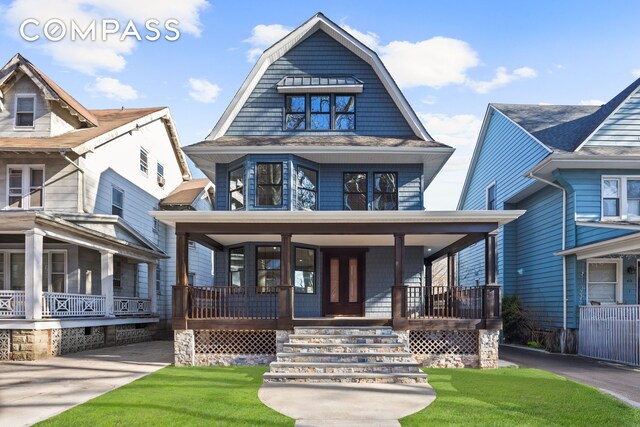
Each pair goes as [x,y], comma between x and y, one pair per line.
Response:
[343,282]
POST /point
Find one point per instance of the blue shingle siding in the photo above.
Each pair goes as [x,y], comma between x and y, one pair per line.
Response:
[319,54]
[622,128]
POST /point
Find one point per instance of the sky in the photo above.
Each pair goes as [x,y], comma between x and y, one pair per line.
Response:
[451,59]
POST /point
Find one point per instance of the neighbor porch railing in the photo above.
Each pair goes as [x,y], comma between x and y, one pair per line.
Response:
[57,304]
[610,332]
[12,304]
[131,306]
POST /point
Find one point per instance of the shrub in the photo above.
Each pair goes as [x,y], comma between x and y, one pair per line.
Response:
[515,325]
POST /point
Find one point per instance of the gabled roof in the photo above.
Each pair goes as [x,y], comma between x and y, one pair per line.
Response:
[280,48]
[186,193]
[50,90]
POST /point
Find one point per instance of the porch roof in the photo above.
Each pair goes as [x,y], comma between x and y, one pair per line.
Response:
[629,244]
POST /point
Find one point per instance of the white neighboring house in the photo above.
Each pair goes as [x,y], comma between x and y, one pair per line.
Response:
[82,263]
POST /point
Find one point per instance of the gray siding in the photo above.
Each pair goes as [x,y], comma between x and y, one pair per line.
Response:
[42,124]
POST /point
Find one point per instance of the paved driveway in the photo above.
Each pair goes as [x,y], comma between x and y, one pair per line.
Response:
[621,381]
[34,391]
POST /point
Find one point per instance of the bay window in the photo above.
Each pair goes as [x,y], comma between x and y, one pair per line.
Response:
[307,189]
[236,189]
[236,267]
[269,184]
[385,191]
[355,191]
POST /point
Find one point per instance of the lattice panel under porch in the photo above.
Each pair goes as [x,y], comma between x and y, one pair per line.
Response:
[129,334]
[443,342]
[5,344]
[75,339]
[235,342]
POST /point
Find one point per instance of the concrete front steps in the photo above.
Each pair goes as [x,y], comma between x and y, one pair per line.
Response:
[345,354]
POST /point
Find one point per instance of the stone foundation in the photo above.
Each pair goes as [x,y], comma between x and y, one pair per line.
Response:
[233,359]
[184,347]
[455,349]
[30,344]
[448,360]
[281,338]
[488,349]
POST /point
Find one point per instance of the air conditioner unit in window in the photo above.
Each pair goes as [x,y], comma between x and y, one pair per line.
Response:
[161,180]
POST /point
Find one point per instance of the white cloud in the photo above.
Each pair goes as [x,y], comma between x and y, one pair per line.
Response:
[635,72]
[203,90]
[372,40]
[89,56]
[597,102]
[112,88]
[502,78]
[430,100]
[461,132]
[263,36]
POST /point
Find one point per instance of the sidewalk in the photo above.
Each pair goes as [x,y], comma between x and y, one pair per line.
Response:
[34,391]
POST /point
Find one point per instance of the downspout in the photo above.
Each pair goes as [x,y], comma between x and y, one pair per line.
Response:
[82,179]
[563,338]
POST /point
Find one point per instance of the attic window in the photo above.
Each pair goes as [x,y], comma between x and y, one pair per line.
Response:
[320,112]
[25,111]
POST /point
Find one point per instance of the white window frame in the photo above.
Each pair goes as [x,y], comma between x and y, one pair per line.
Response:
[486,196]
[158,166]
[619,275]
[15,112]
[144,163]
[26,185]
[622,179]
[7,266]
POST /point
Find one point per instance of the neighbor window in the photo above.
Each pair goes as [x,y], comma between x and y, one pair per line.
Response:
[236,267]
[295,112]
[25,111]
[16,270]
[604,281]
[26,187]
[160,172]
[117,273]
[267,268]
[345,112]
[269,184]
[621,197]
[307,189]
[191,244]
[117,202]
[144,161]
[355,191]
[191,279]
[158,278]
[385,191]
[320,112]
[54,268]
[236,189]
[305,271]
[491,197]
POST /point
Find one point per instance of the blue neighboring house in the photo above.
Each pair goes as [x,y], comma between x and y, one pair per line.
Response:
[576,171]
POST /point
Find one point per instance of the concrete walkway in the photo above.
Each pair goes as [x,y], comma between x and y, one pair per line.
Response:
[34,391]
[623,382]
[346,404]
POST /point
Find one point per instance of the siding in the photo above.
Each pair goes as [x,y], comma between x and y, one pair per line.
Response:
[319,54]
[42,124]
[622,128]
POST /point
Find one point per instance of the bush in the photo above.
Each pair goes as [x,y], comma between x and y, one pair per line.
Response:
[515,325]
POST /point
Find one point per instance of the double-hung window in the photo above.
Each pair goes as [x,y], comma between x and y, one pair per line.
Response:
[320,112]
[267,268]
[491,197]
[621,197]
[236,189]
[305,271]
[236,267]
[117,202]
[269,184]
[25,111]
[604,281]
[355,191]
[307,189]
[54,271]
[117,274]
[295,115]
[25,187]
[160,174]
[144,161]
[345,112]
[385,191]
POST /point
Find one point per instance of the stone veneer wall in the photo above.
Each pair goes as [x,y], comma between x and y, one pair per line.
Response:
[455,349]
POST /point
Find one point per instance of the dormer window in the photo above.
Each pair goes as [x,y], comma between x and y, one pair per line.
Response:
[25,111]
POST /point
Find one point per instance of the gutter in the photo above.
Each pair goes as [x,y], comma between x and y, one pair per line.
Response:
[63,154]
[564,259]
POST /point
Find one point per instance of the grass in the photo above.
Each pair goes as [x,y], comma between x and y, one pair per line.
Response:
[466,397]
[172,396]
[522,397]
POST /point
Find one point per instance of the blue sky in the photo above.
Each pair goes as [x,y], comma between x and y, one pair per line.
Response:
[451,58]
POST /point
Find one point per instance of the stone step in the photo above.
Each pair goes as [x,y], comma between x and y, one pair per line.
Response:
[326,357]
[345,368]
[343,348]
[344,339]
[343,330]
[347,378]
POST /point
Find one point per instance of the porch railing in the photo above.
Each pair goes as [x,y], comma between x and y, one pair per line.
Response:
[56,304]
[443,302]
[11,304]
[232,302]
[610,332]
[131,306]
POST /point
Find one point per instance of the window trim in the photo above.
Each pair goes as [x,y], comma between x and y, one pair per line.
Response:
[7,266]
[15,112]
[307,112]
[374,192]
[495,193]
[619,277]
[316,191]
[366,193]
[229,191]
[267,289]
[26,184]
[315,269]
[244,266]
[144,163]
[623,215]
[281,185]
[113,187]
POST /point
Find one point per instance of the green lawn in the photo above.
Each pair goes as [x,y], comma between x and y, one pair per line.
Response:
[517,397]
[228,397]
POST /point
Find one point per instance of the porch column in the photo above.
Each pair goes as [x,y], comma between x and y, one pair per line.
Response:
[106,280]
[428,273]
[451,270]
[285,292]
[180,295]
[398,295]
[489,259]
[33,273]
[151,286]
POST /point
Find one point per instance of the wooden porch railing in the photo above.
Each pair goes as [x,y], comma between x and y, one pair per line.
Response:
[443,302]
[232,302]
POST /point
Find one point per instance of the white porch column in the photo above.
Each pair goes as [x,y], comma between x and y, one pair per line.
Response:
[106,279]
[151,283]
[33,273]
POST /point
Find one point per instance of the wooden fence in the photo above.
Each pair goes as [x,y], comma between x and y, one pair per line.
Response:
[610,333]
